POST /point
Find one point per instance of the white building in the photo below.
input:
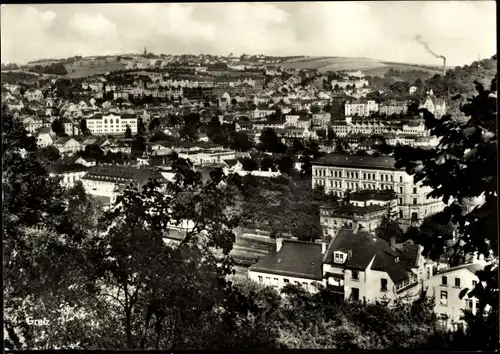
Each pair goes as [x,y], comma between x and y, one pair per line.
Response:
[338,173]
[295,262]
[361,108]
[69,174]
[107,181]
[446,285]
[112,124]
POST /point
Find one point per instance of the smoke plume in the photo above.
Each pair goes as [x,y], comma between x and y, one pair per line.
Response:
[420,40]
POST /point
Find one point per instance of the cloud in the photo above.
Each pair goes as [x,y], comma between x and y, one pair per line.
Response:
[96,26]
[379,30]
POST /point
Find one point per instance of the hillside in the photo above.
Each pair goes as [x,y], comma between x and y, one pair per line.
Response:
[367,65]
[82,71]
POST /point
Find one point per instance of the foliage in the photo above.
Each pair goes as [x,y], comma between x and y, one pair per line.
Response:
[58,127]
[128,132]
[250,164]
[463,167]
[270,142]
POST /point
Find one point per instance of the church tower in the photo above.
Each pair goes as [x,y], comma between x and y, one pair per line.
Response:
[145,51]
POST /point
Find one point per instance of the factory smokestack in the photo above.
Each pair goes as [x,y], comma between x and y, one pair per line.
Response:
[421,41]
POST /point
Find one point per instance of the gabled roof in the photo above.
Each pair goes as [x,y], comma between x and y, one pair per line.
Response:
[363,244]
[295,259]
[59,169]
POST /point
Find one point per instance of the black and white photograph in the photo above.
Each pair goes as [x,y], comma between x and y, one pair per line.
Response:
[232,176]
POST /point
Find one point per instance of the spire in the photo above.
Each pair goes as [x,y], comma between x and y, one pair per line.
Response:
[145,51]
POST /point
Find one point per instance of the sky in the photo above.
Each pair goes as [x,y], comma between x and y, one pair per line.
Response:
[385,30]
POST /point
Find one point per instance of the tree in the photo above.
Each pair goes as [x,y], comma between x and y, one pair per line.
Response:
[250,164]
[461,167]
[138,146]
[270,141]
[389,229]
[58,127]
[189,130]
[83,127]
[241,142]
[315,109]
[266,164]
[321,133]
[140,127]
[297,146]
[48,155]
[285,165]
[128,132]
[154,124]
[400,87]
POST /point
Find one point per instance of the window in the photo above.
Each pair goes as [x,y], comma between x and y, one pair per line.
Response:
[260,279]
[457,282]
[414,190]
[468,304]
[373,176]
[355,275]
[268,279]
[443,298]
[306,286]
[400,179]
[474,283]
[297,283]
[355,294]
[275,282]
[383,284]
[444,281]
[401,190]
[400,201]
[364,175]
[414,201]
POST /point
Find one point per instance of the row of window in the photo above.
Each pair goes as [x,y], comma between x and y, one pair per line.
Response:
[444,282]
[275,282]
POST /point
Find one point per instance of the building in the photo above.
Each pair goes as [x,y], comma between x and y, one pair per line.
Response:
[436,106]
[71,129]
[365,209]
[393,107]
[112,124]
[69,174]
[86,161]
[45,137]
[67,145]
[338,173]
[360,266]
[108,181]
[321,119]
[445,286]
[294,262]
[361,108]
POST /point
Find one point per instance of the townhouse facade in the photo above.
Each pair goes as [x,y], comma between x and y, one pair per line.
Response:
[361,108]
[338,173]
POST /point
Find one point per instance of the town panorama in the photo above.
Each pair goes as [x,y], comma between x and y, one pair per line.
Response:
[248,201]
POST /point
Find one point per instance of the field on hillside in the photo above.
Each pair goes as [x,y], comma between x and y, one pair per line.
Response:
[76,72]
[369,66]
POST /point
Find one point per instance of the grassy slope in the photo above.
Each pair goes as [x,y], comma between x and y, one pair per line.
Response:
[369,66]
[76,72]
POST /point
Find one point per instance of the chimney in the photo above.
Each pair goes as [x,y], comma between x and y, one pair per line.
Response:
[444,66]
[279,243]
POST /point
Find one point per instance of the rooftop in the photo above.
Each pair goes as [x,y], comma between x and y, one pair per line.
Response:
[370,194]
[295,258]
[374,162]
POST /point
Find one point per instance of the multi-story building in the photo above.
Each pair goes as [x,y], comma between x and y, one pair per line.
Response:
[393,107]
[203,156]
[335,217]
[111,124]
[294,262]
[69,174]
[355,264]
[436,106]
[446,285]
[361,108]
[67,145]
[338,173]
[360,266]
[321,119]
[107,181]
